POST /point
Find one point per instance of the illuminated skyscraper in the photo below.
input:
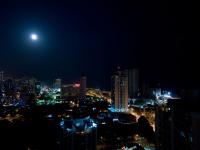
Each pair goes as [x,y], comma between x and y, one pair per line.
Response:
[120,91]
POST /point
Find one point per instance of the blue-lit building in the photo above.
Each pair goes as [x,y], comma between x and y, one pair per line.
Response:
[78,132]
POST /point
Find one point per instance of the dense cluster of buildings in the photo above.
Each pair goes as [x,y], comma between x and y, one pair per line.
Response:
[30,90]
[175,119]
[124,86]
[18,89]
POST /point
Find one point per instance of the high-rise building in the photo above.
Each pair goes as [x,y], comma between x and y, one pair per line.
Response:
[133,82]
[119,83]
[177,125]
[83,86]
[57,84]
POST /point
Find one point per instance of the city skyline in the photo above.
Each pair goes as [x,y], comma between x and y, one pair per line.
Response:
[99,75]
[96,37]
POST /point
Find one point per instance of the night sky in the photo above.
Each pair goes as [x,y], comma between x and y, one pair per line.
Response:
[161,38]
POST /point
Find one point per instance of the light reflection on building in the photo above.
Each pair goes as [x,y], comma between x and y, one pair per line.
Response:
[78,133]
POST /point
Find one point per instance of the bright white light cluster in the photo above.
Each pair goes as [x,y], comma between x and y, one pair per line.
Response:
[34,36]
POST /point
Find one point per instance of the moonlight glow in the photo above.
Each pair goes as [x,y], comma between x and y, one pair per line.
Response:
[34,37]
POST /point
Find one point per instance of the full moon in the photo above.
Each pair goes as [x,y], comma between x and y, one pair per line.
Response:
[34,37]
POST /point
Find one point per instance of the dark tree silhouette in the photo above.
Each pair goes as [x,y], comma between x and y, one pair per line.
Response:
[145,129]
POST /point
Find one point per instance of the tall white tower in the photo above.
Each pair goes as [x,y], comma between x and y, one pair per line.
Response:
[120,91]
